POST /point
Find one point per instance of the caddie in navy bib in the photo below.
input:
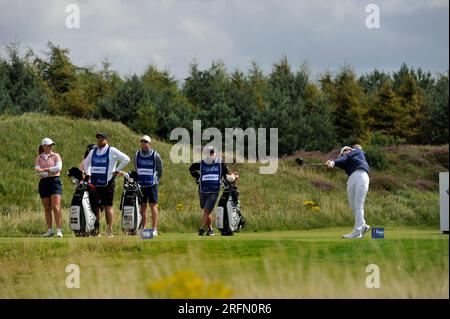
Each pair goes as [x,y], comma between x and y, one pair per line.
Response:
[99,168]
[210,177]
[146,169]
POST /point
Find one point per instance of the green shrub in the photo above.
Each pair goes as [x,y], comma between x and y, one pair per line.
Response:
[376,157]
[380,139]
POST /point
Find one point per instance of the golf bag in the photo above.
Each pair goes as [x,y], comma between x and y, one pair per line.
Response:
[129,204]
[229,219]
[83,220]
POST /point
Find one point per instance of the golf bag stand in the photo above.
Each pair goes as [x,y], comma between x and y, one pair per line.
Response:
[129,204]
[229,219]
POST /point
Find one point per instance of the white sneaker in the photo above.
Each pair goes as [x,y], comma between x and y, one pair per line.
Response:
[155,233]
[353,234]
[49,233]
[365,229]
[59,233]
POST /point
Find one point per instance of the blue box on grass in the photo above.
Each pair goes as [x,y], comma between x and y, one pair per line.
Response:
[377,232]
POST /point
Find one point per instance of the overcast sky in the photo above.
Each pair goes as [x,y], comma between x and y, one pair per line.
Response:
[172,33]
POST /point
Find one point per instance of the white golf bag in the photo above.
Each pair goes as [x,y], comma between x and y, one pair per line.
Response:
[82,217]
[129,205]
[229,219]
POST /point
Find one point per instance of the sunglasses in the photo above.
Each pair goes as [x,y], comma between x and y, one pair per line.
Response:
[144,141]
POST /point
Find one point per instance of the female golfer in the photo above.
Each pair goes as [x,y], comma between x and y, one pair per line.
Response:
[354,162]
[48,167]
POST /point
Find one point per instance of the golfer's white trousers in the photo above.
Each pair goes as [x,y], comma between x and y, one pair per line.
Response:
[357,188]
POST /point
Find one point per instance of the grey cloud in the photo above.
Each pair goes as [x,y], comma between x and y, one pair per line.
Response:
[328,34]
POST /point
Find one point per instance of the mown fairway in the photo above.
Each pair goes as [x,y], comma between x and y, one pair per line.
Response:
[280,264]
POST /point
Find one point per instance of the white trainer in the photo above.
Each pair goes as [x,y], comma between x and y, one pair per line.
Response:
[49,233]
[155,233]
[353,234]
[59,233]
[365,228]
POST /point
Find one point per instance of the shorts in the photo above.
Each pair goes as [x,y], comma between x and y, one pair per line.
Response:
[49,186]
[150,194]
[106,193]
[208,200]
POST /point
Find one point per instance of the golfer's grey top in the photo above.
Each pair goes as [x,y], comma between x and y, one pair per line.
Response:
[158,161]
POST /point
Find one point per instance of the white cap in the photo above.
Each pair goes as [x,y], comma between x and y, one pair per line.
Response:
[344,149]
[146,138]
[47,141]
[207,153]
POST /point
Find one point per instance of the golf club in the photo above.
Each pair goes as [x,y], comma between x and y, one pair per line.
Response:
[301,162]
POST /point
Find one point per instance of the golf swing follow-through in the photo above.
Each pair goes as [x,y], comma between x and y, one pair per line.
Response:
[353,161]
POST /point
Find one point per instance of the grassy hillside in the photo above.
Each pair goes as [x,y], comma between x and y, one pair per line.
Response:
[405,193]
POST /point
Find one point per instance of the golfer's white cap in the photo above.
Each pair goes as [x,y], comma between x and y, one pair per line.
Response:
[47,141]
[146,138]
[210,149]
[344,149]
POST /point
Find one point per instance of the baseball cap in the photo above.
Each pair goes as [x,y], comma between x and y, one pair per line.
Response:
[47,141]
[210,149]
[101,134]
[146,138]
[344,149]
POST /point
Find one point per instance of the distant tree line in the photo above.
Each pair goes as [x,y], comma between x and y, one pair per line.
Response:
[407,106]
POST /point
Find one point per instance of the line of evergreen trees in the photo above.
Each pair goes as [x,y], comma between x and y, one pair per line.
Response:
[407,106]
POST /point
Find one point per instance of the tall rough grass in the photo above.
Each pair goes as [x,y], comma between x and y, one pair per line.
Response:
[307,264]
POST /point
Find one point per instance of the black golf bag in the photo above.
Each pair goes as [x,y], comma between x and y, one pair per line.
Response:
[229,219]
[83,220]
[129,204]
